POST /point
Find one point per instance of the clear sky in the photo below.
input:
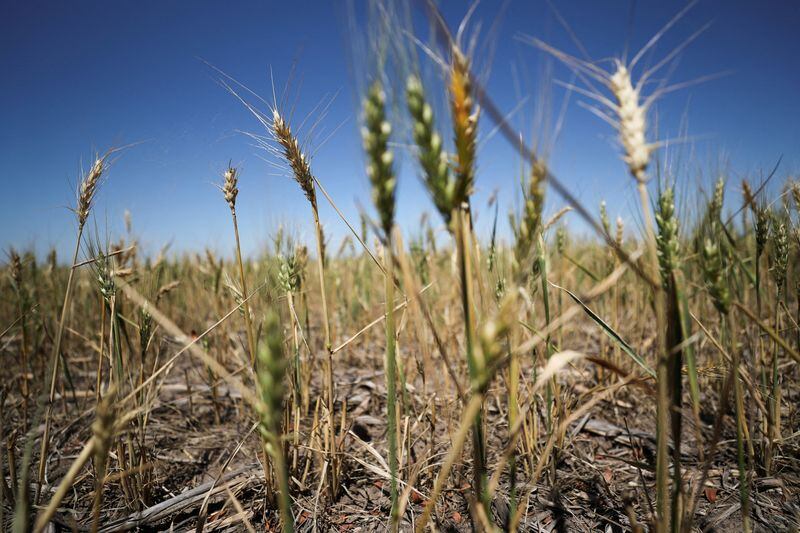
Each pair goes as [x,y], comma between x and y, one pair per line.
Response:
[81,76]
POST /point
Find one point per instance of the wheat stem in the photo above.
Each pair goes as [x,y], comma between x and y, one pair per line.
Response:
[230,190]
[54,367]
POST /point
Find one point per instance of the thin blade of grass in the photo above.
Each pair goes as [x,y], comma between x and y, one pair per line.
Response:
[608,330]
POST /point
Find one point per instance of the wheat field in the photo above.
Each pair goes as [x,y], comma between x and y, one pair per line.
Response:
[630,377]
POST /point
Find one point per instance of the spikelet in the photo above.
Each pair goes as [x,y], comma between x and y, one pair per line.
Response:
[620,235]
[465,126]
[528,228]
[561,240]
[52,260]
[490,347]
[15,269]
[230,187]
[796,195]
[604,220]
[167,288]
[301,259]
[714,275]
[632,117]
[271,371]
[380,169]
[780,251]
[553,220]
[289,273]
[145,328]
[431,155]
[105,276]
[499,288]
[236,293]
[762,229]
[626,110]
[294,155]
[747,195]
[534,204]
[715,205]
[667,239]
[88,189]
[364,227]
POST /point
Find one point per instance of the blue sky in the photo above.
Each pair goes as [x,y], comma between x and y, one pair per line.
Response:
[82,76]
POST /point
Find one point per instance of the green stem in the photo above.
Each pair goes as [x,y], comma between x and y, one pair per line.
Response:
[298,394]
[275,450]
[390,367]
[551,384]
[664,395]
[744,487]
[478,450]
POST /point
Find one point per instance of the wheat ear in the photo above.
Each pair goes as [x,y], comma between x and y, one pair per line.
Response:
[430,152]
[465,126]
[632,125]
[86,194]
[301,171]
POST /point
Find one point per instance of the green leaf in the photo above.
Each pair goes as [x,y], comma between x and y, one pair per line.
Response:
[608,330]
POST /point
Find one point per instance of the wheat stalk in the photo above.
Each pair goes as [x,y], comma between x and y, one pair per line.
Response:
[230,190]
[780,261]
[290,280]
[714,268]
[103,435]
[271,372]
[381,174]
[488,355]
[85,201]
[464,117]
[301,171]
[22,297]
[631,120]
[529,226]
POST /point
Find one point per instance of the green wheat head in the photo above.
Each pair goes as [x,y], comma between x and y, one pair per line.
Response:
[289,272]
[667,240]
[271,371]
[380,168]
[431,155]
[714,274]
[780,254]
